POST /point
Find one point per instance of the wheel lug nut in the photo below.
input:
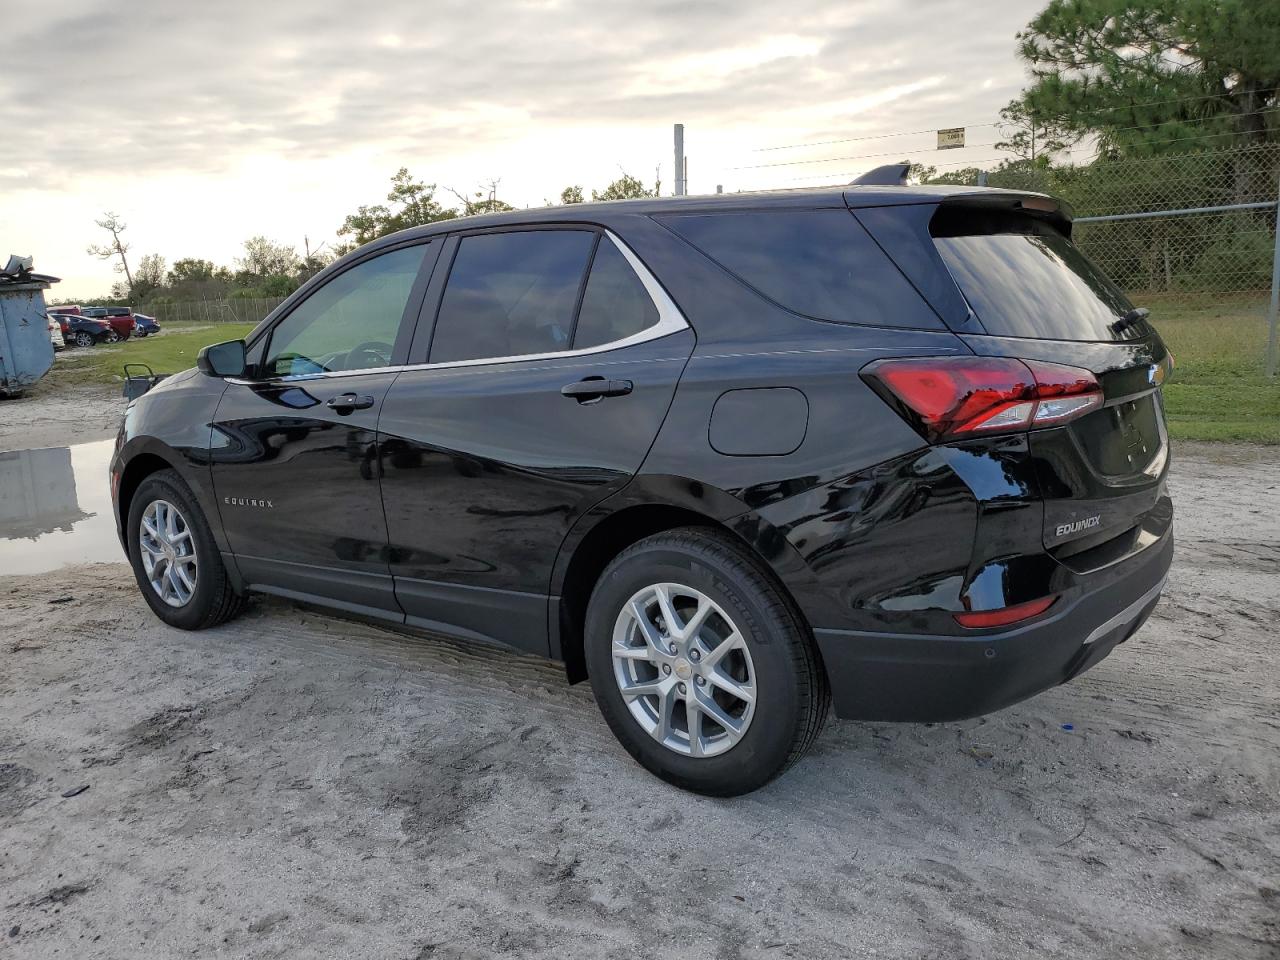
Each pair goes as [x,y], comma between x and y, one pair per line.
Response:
[695,656]
[673,648]
[683,688]
[666,668]
[699,681]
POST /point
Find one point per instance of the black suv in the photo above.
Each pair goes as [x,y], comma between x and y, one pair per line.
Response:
[728,457]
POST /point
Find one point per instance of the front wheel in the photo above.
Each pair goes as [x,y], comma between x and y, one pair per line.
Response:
[700,664]
[84,339]
[174,557]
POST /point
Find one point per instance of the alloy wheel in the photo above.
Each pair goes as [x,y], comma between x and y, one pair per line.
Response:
[168,553]
[684,670]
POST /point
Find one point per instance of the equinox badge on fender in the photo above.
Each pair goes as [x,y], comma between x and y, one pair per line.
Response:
[1088,523]
[246,502]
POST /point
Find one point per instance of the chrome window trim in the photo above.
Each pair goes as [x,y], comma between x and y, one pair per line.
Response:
[670,320]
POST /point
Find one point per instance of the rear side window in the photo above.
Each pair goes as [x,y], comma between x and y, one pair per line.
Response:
[1024,278]
[511,294]
[820,263]
[615,305]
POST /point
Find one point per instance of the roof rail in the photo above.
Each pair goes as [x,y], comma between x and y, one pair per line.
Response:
[890,175]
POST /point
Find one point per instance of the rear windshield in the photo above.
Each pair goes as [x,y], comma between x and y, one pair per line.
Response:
[1023,278]
[819,263]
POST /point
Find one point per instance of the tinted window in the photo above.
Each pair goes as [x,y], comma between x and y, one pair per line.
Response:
[820,263]
[511,294]
[616,304]
[1023,278]
[351,322]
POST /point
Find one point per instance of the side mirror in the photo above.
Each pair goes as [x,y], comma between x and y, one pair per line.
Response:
[222,359]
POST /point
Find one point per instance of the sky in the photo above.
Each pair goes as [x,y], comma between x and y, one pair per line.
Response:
[204,124]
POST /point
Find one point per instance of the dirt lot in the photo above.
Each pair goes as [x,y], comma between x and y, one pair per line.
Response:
[58,414]
[294,785]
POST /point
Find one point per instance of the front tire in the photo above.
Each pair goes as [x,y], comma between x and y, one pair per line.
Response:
[84,339]
[174,557]
[701,665]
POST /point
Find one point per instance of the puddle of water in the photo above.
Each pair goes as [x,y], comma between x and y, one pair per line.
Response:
[55,508]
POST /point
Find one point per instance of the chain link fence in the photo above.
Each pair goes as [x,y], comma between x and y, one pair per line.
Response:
[1186,244]
[1193,236]
[229,310]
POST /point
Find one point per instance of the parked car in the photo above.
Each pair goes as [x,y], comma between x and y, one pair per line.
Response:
[729,458]
[55,335]
[144,326]
[84,331]
[70,308]
[120,320]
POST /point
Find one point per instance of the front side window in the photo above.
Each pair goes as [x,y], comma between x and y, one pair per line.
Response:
[511,294]
[351,322]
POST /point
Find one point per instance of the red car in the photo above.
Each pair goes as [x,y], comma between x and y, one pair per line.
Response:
[120,319]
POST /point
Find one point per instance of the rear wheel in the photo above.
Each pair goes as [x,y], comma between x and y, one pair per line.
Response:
[174,557]
[700,664]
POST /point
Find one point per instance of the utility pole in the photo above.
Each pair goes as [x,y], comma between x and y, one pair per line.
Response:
[679,167]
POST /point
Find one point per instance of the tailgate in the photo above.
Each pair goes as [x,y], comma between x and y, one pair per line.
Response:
[1037,297]
[1102,476]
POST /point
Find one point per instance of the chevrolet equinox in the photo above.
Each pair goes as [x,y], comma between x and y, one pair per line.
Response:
[732,459]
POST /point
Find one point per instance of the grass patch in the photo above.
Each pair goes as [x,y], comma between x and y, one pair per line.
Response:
[1218,390]
[173,349]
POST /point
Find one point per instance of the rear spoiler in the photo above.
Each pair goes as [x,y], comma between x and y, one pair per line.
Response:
[1038,205]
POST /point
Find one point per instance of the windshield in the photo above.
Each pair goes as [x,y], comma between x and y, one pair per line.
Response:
[1023,278]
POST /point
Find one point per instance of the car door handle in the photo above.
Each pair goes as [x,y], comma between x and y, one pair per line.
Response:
[593,388]
[347,402]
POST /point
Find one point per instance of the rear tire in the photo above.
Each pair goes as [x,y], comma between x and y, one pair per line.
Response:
[199,593]
[701,594]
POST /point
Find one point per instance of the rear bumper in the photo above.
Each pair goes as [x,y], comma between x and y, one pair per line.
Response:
[932,678]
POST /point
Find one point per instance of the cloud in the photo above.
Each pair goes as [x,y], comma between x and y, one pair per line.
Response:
[203,124]
[193,88]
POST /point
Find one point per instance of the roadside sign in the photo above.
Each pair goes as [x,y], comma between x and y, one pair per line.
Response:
[951,139]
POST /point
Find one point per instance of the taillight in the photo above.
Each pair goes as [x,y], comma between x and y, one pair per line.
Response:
[949,397]
[977,619]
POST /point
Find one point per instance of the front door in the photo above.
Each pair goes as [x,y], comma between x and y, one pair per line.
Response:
[294,451]
[554,359]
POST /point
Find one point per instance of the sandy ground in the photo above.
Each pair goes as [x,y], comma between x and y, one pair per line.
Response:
[56,413]
[293,785]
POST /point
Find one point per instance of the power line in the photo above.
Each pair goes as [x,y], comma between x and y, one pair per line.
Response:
[861,156]
[1141,126]
[855,173]
[910,133]
[876,136]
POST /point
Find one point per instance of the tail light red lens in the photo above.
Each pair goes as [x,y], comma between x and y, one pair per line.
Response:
[1004,616]
[949,397]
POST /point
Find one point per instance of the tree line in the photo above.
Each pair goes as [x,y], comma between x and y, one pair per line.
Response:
[270,269]
[1140,80]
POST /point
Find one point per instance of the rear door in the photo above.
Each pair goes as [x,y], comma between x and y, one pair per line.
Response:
[543,377]
[1036,296]
[294,447]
